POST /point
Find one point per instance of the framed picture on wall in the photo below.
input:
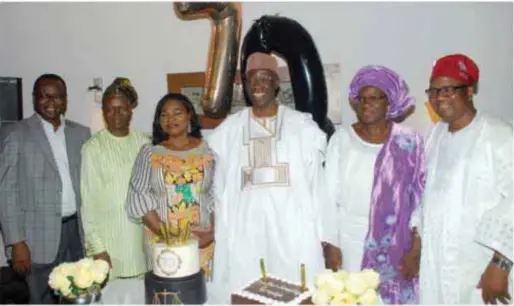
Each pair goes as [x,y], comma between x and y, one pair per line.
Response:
[11,101]
[191,85]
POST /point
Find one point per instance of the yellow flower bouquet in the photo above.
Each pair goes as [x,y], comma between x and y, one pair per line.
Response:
[81,280]
[347,288]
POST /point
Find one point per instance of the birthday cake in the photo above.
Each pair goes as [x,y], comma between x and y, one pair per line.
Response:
[176,261]
[176,277]
[272,291]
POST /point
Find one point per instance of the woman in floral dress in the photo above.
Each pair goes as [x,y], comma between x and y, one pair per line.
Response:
[171,179]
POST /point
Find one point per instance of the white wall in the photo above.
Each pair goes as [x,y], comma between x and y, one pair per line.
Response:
[145,41]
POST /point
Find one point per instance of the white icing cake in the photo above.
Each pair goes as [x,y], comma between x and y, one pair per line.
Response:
[177,260]
[276,291]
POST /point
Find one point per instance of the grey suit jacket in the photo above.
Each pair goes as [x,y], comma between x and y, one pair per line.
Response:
[30,185]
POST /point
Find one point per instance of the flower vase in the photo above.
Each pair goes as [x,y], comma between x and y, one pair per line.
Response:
[92,298]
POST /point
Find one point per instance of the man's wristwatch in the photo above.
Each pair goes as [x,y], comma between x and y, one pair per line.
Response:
[502,262]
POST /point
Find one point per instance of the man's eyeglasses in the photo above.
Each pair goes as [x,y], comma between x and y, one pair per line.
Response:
[447,91]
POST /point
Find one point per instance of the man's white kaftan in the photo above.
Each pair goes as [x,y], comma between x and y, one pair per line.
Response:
[467,209]
[268,173]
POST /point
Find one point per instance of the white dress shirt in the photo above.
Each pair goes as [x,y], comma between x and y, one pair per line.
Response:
[57,141]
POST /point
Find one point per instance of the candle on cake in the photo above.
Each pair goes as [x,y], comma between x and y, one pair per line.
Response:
[263,271]
[303,278]
[184,230]
[164,232]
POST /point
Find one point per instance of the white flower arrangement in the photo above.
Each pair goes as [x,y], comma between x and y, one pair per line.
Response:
[71,280]
[346,288]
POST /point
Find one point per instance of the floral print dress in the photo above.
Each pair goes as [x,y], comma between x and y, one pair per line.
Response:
[177,185]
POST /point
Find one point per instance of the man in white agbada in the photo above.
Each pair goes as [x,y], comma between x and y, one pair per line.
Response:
[268,161]
[466,215]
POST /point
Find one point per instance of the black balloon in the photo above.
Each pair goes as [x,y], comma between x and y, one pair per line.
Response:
[291,41]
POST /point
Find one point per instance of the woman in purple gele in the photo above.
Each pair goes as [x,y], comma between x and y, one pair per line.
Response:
[375,176]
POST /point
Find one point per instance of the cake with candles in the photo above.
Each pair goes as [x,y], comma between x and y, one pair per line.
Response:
[176,277]
[270,289]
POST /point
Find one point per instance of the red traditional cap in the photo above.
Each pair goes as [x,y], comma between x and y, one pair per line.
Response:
[456,66]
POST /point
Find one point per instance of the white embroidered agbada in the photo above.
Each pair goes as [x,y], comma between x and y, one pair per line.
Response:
[467,209]
[267,177]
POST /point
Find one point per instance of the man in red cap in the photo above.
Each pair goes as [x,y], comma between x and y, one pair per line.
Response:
[267,186]
[466,215]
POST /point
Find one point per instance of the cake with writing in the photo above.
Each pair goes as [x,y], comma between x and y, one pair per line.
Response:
[177,260]
[274,291]
[176,277]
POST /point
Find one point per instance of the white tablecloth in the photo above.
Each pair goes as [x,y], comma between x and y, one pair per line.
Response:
[132,291]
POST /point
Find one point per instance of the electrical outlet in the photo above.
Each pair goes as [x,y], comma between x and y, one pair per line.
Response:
[98,92]
[98,96]
[98,82]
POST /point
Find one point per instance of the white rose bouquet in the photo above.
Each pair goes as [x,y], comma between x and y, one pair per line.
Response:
[347,288]
[81,278]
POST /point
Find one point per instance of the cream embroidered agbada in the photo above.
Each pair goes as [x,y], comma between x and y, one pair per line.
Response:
[467,209]
[268,203]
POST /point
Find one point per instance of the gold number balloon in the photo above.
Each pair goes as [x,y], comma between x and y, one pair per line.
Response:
[223,51]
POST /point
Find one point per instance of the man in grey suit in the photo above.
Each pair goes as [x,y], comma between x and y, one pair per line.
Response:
[40,188]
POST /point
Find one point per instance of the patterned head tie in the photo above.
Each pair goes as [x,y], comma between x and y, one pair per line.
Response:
[388,81]
[121,87]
